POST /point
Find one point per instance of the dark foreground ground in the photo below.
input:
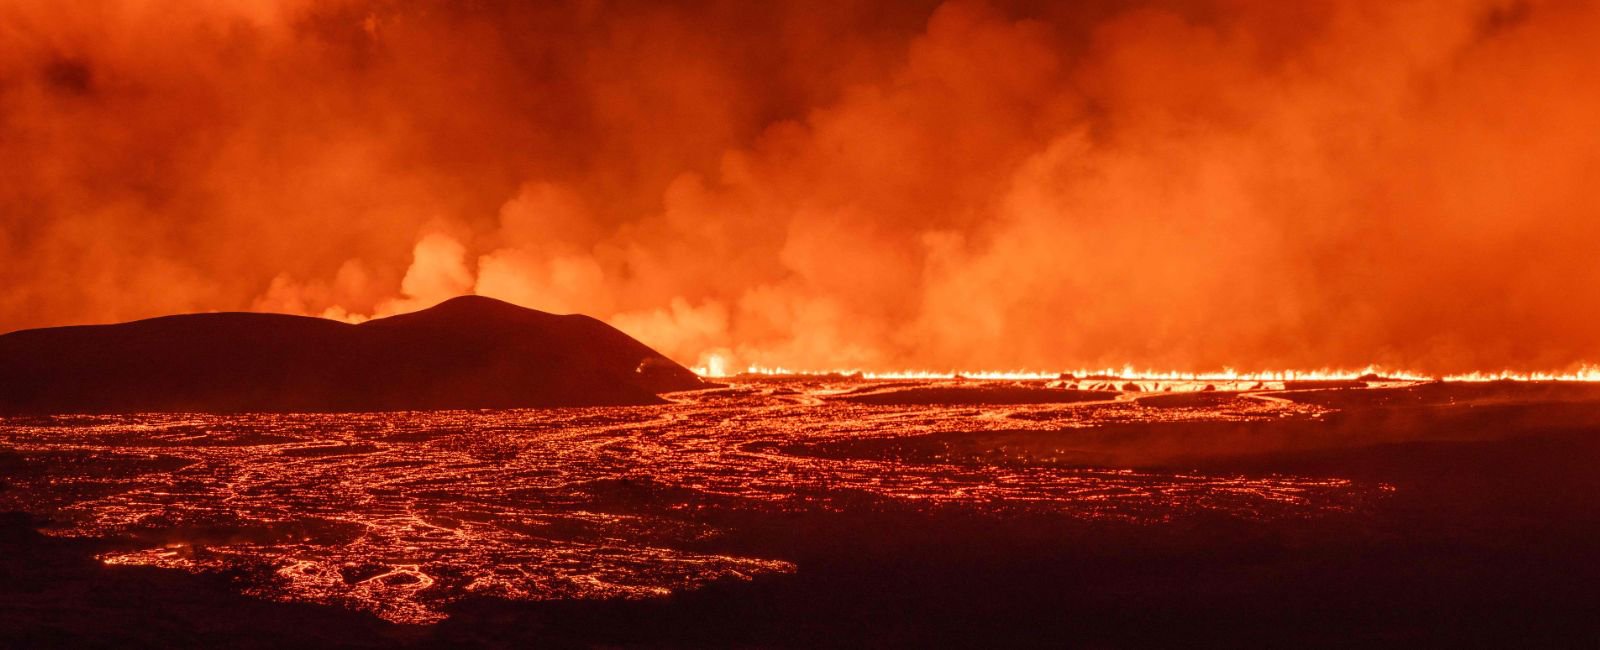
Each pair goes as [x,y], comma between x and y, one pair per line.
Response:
[1484,536]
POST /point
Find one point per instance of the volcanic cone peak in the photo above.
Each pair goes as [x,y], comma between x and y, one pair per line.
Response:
[464,310]
[467,352]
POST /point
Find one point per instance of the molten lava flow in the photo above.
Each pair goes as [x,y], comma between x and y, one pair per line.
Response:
[1586,373]
[402,514]
[718,367]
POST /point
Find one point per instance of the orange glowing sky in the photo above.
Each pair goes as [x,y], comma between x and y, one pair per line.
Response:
[1184,184]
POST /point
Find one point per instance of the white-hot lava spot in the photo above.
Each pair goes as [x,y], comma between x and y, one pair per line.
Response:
[401,514]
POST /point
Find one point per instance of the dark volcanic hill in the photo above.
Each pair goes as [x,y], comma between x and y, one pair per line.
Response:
[468,352]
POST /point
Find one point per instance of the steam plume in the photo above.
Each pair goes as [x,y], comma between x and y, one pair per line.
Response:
[1182,184]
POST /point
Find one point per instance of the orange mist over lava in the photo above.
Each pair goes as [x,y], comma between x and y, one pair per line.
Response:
[1190,184]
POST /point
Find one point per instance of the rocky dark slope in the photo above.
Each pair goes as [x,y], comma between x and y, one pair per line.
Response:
[468,352]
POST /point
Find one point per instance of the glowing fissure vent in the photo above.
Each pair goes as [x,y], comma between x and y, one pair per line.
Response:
[717,366]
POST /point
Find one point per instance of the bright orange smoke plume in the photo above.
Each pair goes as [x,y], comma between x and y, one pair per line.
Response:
[1189,184]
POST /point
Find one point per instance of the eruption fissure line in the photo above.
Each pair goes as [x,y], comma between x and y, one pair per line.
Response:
[718,368]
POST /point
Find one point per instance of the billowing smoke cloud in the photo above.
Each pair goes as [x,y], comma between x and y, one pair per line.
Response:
[1185,184]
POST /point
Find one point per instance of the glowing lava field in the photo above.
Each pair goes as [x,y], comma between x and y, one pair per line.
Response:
[408,515]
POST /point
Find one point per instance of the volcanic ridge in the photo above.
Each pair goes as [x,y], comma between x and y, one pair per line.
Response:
[469,352]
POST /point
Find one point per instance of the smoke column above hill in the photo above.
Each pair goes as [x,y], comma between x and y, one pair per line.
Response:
[1183,184]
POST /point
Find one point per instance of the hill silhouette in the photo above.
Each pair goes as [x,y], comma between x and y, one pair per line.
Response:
[467,352]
